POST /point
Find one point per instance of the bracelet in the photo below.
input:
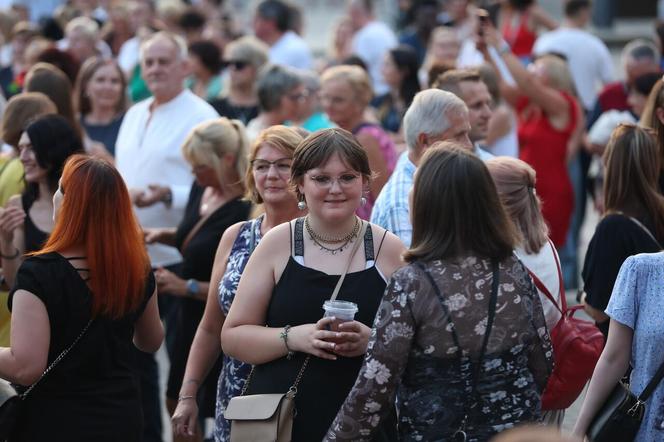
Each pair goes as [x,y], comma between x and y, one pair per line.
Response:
[14,256]
[184,398]
[284,335]
[167,199]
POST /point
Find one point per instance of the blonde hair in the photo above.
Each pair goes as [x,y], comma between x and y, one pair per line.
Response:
[249,49]
[209,141]
[283,138]
[515,181]
[356,77]
[88,27]
[558,74]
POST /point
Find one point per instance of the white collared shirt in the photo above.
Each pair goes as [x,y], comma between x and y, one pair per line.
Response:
[148,152]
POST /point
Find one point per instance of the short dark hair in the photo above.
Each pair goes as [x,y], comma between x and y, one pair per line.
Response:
[191,20]
[316,149]
[278,11]
[53,140]
[456,209]
[573,7]
[643,84]
[209,55]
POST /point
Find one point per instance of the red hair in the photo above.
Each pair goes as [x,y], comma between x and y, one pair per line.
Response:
[96,213]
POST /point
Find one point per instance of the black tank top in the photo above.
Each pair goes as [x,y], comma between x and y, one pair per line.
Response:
[34,237]
[298,299]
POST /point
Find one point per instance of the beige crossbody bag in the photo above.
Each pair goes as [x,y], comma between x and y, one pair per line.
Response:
[269,417]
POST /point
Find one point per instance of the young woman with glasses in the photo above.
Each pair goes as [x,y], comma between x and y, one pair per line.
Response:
[275,321]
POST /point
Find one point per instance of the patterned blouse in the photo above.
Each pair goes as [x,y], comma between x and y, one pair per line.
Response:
[233,373]
[412,354]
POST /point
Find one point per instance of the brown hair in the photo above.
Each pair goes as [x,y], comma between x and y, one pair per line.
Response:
[317,148]
[51,81]
[515,182]
[632,166]
[649,116]
[20,110]
[449,81]
[456,209]
[89,68]
[286,139]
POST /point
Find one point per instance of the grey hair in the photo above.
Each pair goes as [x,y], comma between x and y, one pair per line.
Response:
[177,41]
[249,49]
[273,83]
[310,79]
[428,114]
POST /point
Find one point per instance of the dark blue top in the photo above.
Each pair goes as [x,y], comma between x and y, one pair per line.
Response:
[106,134]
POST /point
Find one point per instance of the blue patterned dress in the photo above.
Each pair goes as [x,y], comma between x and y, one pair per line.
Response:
[234,372]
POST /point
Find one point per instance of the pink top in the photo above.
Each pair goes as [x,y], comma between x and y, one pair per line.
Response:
[389,154]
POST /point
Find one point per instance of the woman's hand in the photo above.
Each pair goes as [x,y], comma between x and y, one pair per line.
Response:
[184,417]
[313,339]
[168,282]
[154,234]
[353,337]
[11,218]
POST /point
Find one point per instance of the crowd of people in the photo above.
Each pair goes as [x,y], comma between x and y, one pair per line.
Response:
[168,177]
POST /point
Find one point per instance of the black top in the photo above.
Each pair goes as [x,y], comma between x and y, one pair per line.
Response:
[34,237]
[106,134]
[92,394]
[325,384]
[616,238]
[197,262]
[226,109]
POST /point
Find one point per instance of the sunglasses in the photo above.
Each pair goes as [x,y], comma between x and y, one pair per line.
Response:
[238,65]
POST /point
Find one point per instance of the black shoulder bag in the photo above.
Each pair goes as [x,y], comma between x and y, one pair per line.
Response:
[460,434]
[11,402]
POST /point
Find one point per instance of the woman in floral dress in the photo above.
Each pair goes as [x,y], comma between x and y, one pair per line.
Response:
[267,181]
[455,366]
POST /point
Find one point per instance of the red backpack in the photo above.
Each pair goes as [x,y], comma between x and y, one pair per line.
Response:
[577,345]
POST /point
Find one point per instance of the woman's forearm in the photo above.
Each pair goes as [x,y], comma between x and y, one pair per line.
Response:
[14,371]
[205,349]
[253,344]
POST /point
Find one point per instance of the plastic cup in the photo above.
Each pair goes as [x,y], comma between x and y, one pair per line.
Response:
[342,311]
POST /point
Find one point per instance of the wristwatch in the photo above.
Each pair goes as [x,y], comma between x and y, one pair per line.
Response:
[192,287]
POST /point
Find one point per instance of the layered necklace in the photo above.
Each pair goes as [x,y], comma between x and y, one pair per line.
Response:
[321,240]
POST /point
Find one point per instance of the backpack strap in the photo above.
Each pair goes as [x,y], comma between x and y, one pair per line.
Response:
[542,288]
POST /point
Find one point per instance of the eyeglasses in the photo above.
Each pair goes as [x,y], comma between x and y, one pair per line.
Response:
[325,182]
[237,65]
[261,167]
[299,96]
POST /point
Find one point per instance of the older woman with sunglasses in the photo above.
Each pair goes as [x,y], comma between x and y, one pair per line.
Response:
[299,264]
[267,183]
[244,58]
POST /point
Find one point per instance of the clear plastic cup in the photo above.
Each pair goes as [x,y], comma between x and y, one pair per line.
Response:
[342,311]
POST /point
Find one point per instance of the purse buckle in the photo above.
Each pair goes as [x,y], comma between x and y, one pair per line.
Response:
[634,409]
[460,434]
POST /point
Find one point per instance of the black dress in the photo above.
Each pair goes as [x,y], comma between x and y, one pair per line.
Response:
[225,108]
[197,262]
[34,237]
[325,384]
[92,394]
[616,238]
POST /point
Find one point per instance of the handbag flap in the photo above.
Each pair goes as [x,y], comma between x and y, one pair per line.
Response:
[253,407]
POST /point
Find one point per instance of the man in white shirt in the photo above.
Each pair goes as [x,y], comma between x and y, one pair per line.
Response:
[589,59]
[273,25]
[371,41]
[159,179]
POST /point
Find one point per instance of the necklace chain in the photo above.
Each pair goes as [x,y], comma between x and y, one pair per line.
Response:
[319,239]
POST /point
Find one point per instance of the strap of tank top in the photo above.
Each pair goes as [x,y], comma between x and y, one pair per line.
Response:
[380,246]
[298,243]
[368,244]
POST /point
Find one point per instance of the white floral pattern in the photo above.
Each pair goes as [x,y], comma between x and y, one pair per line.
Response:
[412,354]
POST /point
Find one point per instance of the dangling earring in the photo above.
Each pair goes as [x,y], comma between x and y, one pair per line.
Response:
[363,201]
[301,205]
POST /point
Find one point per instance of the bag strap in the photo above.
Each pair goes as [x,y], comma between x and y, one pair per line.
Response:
[645,229]
[298,378]
[57,360]
[194,230]
[561,285]
[654,382]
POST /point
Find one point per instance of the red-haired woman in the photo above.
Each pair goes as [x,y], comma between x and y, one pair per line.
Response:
[92,271]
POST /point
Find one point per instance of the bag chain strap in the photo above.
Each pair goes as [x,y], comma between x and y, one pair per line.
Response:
[57,360]
[293,388]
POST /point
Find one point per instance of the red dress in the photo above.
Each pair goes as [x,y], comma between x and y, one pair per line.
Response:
[545,149]
[520,38]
